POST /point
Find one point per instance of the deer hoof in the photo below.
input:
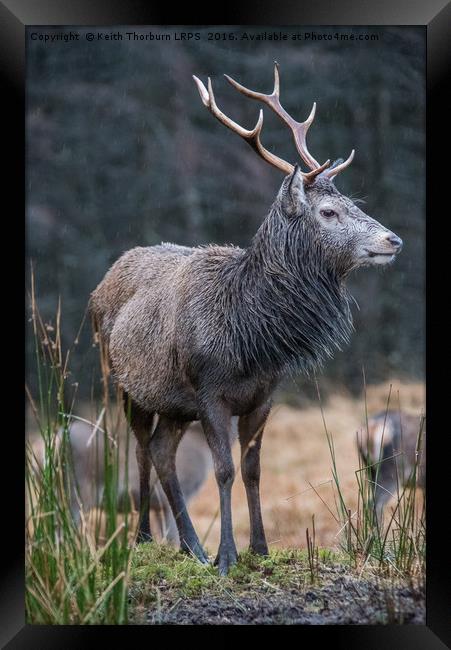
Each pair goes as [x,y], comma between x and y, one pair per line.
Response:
[225,560]
[195,550]
[259,549]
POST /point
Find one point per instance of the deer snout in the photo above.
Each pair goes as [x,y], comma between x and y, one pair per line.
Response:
[394,241]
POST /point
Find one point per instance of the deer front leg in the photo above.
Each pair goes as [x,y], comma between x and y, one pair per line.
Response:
[216,421]
[250,429]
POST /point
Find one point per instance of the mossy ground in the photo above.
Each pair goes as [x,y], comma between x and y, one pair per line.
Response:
[162,567]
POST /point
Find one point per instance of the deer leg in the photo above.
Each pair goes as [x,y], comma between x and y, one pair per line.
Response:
[166,520]
[170,527]
[250,430]
[144,467]
[163,447]
[141,423]
[386,486]
[160,521]
[383,492]
[216,421]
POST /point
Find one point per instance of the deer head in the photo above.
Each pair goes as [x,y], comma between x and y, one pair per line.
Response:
[309,201]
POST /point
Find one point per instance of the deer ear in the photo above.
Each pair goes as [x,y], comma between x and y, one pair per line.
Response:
[296,185]
[294,194]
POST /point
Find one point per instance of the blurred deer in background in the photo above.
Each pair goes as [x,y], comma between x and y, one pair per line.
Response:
[392,448]
[86,445]
[207,333]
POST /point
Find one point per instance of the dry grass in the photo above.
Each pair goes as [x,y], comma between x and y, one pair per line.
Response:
[294,455]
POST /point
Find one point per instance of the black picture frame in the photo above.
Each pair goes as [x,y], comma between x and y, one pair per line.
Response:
[15,15]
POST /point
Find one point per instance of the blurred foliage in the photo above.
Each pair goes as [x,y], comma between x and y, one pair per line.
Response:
[121,152]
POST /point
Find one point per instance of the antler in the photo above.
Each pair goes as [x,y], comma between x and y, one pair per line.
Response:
[333,171]
[252,137]
[299,129]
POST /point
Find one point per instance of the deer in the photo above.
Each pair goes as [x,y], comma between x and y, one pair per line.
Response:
[392,448]
[87,471]
[207,333]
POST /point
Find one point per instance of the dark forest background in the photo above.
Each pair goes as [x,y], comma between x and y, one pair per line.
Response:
[121,152]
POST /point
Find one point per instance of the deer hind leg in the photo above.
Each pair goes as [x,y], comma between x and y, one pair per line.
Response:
[141,423]
[163,448]
[159,516]
[170,525]
[165,518]
[387,482]
[250,430]
[385,488]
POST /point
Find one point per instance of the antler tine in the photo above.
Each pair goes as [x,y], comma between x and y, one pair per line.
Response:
[310,176]
[299,129]
[331,173]
[252,137]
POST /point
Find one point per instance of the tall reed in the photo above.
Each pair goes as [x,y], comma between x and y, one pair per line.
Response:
[72,576]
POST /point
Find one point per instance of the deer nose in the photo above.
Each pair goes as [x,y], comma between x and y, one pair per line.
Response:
[395,241]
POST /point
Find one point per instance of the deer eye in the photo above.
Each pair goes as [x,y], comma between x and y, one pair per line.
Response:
[328,214]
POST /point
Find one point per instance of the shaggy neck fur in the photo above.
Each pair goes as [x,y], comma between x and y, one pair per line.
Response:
[289,306]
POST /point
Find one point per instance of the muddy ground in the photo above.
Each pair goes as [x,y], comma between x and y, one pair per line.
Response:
[344,602]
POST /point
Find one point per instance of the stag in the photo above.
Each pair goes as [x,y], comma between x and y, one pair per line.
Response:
[206,333]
